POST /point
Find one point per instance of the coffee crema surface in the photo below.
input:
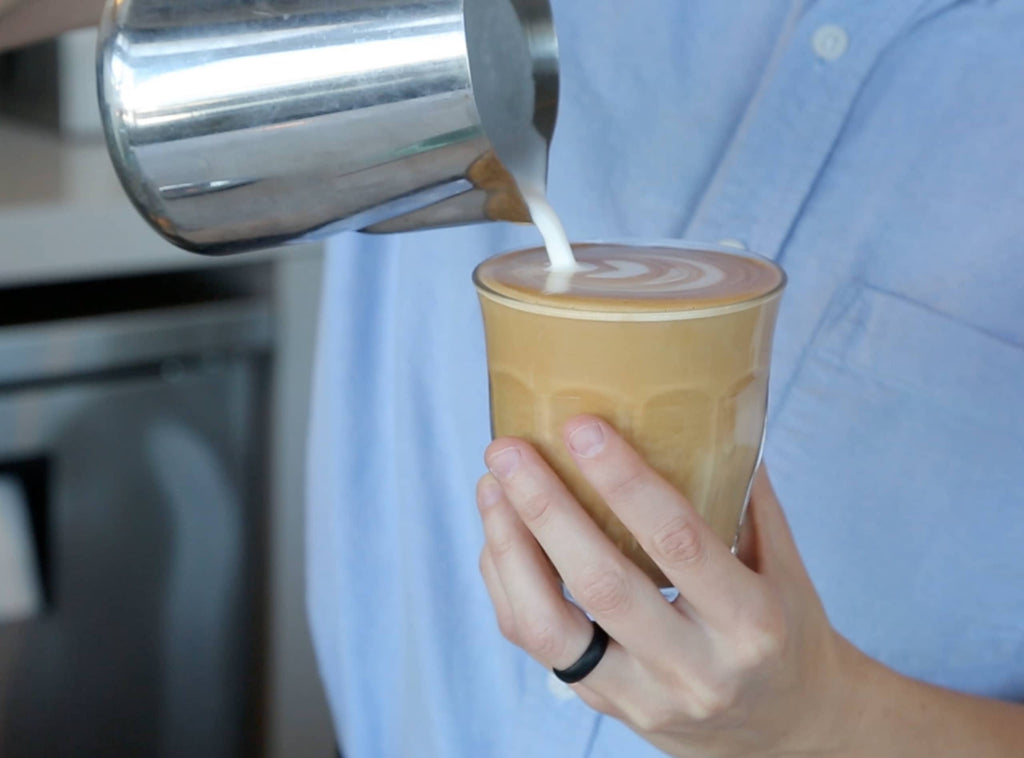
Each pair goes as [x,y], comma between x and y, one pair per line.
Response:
[632,280]
[671,346]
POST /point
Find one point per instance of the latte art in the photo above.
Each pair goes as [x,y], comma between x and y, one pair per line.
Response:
[655,273]
[611,277]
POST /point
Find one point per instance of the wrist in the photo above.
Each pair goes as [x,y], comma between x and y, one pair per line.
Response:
[850,701]
[865,702]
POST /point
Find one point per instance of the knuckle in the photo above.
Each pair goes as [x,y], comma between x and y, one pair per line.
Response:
[501,542]
[537,508]
[604,590]
[710,702]
[541,638]
[652,721]
[761,640]
[629,482]
[679,542]
[507,627]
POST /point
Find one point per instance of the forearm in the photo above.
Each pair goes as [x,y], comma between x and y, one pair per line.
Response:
[25,21]
[897,717]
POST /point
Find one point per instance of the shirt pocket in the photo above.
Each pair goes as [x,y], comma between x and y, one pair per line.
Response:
[898,453]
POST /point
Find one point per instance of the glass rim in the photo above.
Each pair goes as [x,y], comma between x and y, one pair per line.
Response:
[668,314]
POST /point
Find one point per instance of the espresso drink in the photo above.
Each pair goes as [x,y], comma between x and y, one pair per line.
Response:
[670,346]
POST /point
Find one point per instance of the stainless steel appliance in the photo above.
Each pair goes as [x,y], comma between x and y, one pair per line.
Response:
[236,124]
[51,84]
[135,440]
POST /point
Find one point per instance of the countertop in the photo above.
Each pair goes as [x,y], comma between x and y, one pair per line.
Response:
[64,216]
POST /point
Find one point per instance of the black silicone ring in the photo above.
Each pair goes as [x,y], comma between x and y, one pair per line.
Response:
[587,662]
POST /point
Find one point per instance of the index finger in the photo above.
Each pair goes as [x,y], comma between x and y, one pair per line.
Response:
[695,560]
[619,596]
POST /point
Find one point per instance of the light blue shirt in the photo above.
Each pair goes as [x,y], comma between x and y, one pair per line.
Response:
[876,149]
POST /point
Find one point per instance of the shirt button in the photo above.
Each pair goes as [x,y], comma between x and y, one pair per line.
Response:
[732,242]
[559,689]
[830,42]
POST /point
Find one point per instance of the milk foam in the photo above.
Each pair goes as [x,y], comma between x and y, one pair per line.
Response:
[631,279]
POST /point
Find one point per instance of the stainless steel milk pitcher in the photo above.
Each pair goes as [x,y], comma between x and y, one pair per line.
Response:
[238,124]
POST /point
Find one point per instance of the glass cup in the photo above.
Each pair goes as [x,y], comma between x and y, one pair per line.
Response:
[680,370]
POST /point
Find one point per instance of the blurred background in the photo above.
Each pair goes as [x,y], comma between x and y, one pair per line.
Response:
[153,409]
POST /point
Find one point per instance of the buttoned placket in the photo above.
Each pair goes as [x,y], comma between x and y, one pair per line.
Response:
[794,120]
[783,145]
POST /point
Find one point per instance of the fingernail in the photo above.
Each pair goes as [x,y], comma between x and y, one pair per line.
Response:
[490,494]
[504,462]
[588,440]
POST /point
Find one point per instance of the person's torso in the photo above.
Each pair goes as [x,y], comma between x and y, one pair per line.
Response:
[880,158]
